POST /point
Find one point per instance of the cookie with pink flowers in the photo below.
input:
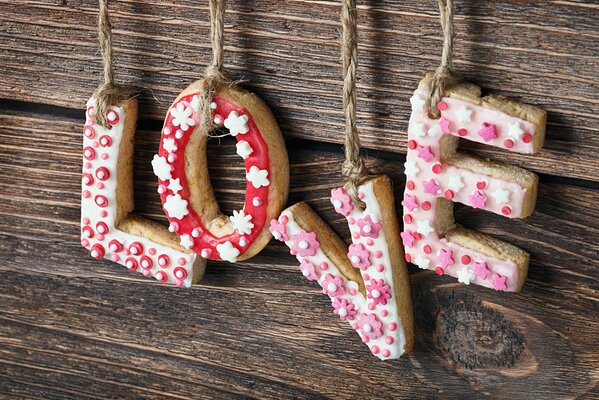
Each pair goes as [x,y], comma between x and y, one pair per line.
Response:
[367,282]
[438,175]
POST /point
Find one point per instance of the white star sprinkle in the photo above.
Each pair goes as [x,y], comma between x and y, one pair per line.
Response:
[244,149]
[515,131]
[174,185]
[411,168]
[186,241]
[465,275]
[424,227]
[432,132]
[227,251]
[236,123]
[417,130]
[242,222]
[455,183]
[161,167]
[417,102]
[464,114]
[422,262]
[175,206]
[258,177]
[169,145]
[501,196]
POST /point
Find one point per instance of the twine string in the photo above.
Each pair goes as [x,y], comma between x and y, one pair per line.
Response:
[353,167]
[444,75]
[107,94]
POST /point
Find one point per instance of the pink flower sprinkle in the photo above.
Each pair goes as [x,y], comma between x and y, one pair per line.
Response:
[309,270]
[368,227]
[499,282]
[378,292]
[279,229]
[359,256]
[481,269]
[304,243]
[333,285]
[345,309]
[342,201]
[370,326]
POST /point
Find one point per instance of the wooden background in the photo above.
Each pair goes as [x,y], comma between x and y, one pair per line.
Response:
[75,328]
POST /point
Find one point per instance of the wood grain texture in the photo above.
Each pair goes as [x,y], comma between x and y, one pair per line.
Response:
[72,327]
[543,53]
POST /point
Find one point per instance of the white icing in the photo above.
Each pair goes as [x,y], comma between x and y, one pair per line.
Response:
[236,124]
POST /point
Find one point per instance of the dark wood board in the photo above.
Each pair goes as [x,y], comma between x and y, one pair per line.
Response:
[73,327]
[545,53]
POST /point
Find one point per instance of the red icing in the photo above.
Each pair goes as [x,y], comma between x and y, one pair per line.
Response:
[205,243]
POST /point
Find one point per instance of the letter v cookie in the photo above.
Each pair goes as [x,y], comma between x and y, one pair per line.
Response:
[368,284]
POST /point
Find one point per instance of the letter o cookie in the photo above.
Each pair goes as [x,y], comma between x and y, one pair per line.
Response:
[184,184]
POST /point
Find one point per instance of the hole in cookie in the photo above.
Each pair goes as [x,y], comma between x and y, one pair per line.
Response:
[227,172]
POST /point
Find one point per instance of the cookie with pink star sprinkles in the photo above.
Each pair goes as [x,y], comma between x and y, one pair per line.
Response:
[438,175]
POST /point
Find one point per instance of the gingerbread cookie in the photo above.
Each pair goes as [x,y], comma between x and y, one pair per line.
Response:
[107,228]
[368,283]
[438,175]
[184,185]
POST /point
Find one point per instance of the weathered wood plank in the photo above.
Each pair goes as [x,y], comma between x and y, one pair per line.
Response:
[546,56]
[72,327]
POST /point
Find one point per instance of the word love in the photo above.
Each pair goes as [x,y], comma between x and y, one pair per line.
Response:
[438,175]
[184,187]
[368,283]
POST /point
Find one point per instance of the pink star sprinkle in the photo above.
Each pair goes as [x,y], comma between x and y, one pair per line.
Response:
[378,292]
[368,227]
[409,202]
[445,125]
[431,187]
[478,199]
[278,229]
[333,285]
[304,243]
[344,309]
[370,326]
[342,202]
[499,282]
[407,239]
[488,131]
[309,270]
[445,258]
[426,153]
[481,270]
[359,256]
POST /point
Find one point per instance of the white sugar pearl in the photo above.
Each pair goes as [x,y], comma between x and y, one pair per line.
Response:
[305,272]
[179,134]
[337,203]
[205,253]
[88,233]
[134,250]
[179,274]
[171,158]
[88,153]
[95,254]
[161,261]
[113,247]
[167,131]
[355,259]
[171,228]
[367,228]
[195,232]
[242,242]
[277,235]
[375,294]
[256,201]
[303,245]
[129,264]
[145,264]
[342,312]
[87,180]
[331,287]
[101,229]
[367,328]
[111,116]
[213,105]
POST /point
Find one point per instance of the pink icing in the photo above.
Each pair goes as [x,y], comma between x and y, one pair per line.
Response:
[342,202]
[304,243]
[378,291]
[333,285]
[368,227]
[309,270]
[359,256]
[344,306]
[370,326]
